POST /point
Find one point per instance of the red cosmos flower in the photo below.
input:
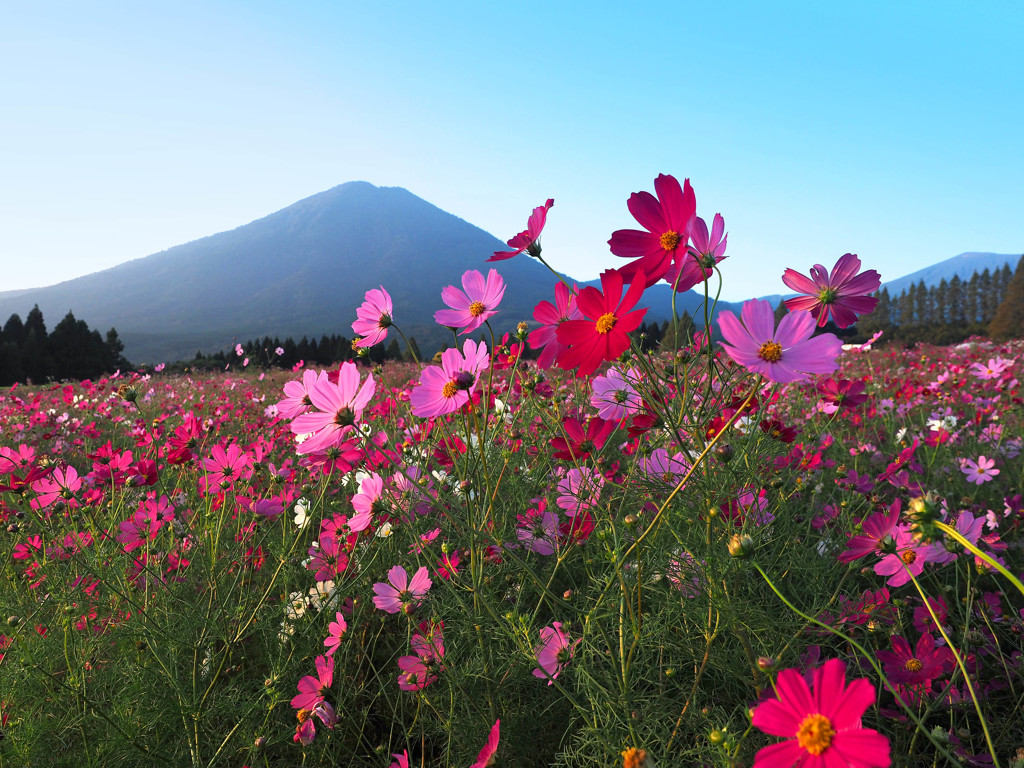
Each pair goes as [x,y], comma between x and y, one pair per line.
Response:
[844,293]
[550,316]
[921,666]
[529,239]
[610,317]
[668,219]
[843,392]
[578,443]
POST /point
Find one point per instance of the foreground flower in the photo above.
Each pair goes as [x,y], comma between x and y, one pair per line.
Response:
[706,251]
[668,219]
[529,239]
[604,334]
[844,293]
[339,406]
[781,355]
[551,316]
[486,756]
[312,690]
[822,726]
[446,389]
[478,302]
[553,653]
[374,318]
[400,593]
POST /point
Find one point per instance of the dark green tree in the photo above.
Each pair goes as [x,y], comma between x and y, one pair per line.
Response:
[1008,322]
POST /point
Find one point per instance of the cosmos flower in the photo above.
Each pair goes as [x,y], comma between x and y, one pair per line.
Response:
[553,653]
[844,294]
[399,593]
[668,219]
[338,407]
[706,251]
[781,355]
[821,722]
[529,239]
[471,307]
[448,388]
[551,316]
[373,318]
[486,756]
[980,471]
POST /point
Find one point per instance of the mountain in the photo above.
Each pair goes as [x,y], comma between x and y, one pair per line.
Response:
[300,271]
[964,265]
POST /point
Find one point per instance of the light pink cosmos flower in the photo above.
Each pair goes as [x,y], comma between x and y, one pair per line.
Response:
[370,491]
[908,559]
[446,389]
[471,307]
[421,670]
[706,251]
[615,396]
[529,239]
[336,629]
[338,408]
[844,293]
[550,316]
[486,756]
[401,594]
[401,760]
[373,318]
[553,653]
[224,466]
[783,355]
[668,469]
[980,471]
[305,731]
[62,484]
[537,530]
[579,490]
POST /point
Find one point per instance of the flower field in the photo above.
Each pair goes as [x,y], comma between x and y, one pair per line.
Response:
[771,550]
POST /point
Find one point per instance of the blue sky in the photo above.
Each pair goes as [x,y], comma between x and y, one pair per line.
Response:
[892,130]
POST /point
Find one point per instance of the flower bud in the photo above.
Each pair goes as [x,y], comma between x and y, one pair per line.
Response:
[741,545]
[724,453]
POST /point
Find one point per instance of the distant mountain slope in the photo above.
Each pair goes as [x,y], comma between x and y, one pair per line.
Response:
[964,265]
[300,271]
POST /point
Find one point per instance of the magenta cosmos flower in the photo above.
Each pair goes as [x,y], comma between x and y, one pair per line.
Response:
[336,629]
[706,251]
[486,756]
[446,389]
[399,593]
[529,239]
[822,726]
[783,355]
[553,653]
[927,662]
[472,306]
[338,407]
[843,293]
[668,219]
[313,689]
[550,316]
[373,318]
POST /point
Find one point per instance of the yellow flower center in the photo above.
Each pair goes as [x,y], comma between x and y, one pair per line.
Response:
[303,715]
[605,323]
[913,665]
[909,556]
[770,351]
[477,308]
[815,734]
[449,389]
[669,240]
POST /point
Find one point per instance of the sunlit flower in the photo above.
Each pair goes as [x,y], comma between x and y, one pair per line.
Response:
[980,471]
[843,293]
[471,307]
[373,318]
[486,756]
[446,389]
[529,239]
[399,593]
[821,722]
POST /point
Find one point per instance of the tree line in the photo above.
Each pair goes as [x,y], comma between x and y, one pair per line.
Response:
[70,351]
[949,312]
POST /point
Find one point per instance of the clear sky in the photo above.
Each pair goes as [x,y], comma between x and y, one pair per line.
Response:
[894,130]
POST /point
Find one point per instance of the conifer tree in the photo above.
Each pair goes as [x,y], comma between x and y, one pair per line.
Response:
[955,300]
[940,310]
[971,299]
[1008,322]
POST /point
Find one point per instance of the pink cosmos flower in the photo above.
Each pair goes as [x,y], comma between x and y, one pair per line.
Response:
[478,302]
[579,490]
[421,670]
[615,395]
[668,219]
[876,531]
[373,318]
[338,407]
[821,722]
[400,593]
[553,653]
[486,756]
[781,355]
[706,251]
[151,515]
[529,239]
[366,501]
[305,731]
[62,484]
[925,663]
[908,559]
[979,472]
[844,293]
[537,530]
[448,388]
[336,629]
[313,689]
[401,761]
[224,466]
[550,316]
[668,469]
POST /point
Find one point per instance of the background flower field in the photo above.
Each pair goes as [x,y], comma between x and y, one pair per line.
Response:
[600,557]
